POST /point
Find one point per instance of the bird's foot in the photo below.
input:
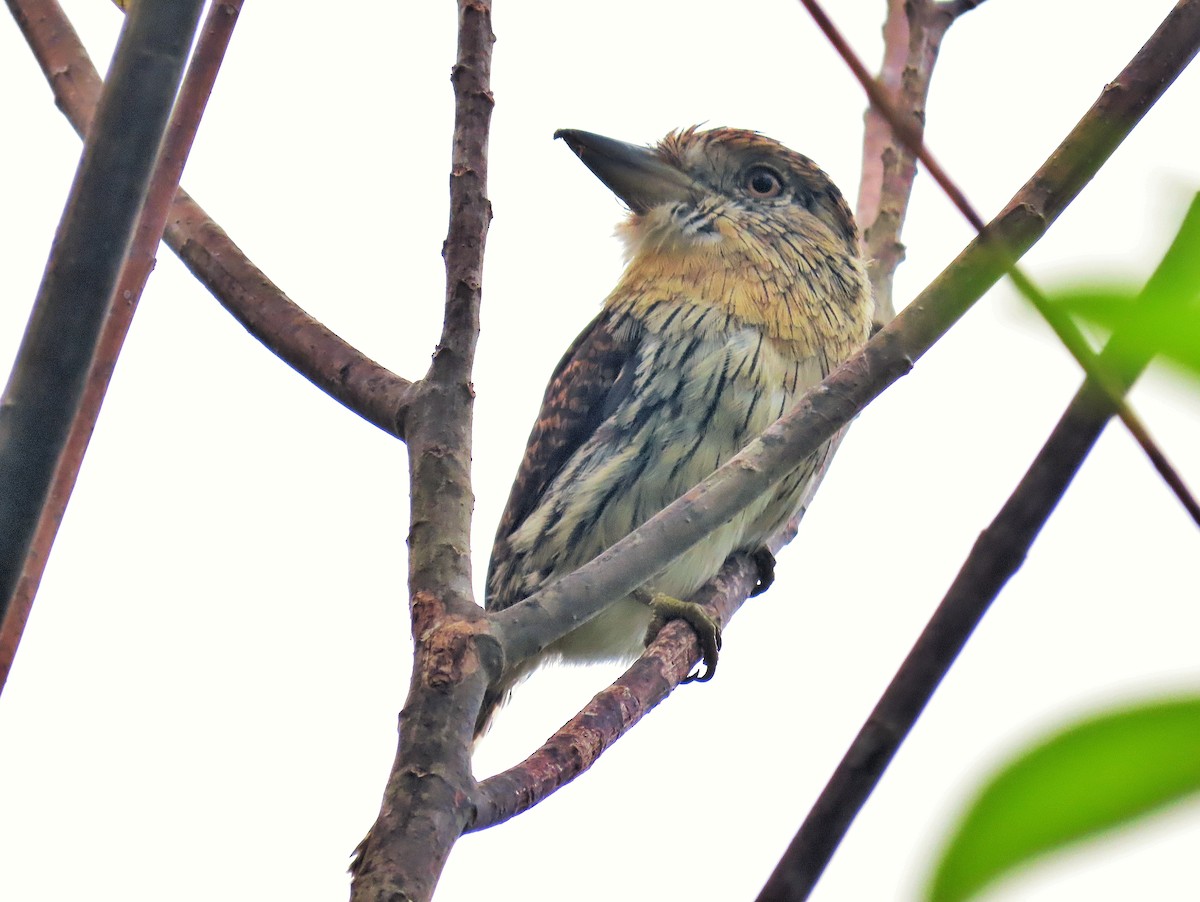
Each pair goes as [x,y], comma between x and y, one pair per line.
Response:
[765,561]
[708,631]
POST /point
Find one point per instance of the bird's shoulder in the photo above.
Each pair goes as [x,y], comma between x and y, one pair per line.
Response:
[583,390]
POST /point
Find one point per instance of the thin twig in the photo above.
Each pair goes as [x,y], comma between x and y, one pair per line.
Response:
[315,352]
[46,388]
[1067,332]
[181,131]
[996,556]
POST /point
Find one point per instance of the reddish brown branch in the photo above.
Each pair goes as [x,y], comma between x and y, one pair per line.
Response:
[181,131]
[328,361]
[314,351]
[910,132]
[577,745]
[73,79]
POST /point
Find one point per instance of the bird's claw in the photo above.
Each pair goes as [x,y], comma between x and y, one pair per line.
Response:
[708,631]
[765,561]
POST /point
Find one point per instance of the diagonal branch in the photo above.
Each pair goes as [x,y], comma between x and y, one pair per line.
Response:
[324,358]
[45,391]
[651,678]
[996,556]
[181,131]
[1066,330]
[348,376]
[664,664]
[913,36]
[529,626]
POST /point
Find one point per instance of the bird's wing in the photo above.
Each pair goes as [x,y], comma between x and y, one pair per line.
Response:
[583,391]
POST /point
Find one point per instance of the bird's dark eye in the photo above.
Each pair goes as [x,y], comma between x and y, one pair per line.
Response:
[763,181]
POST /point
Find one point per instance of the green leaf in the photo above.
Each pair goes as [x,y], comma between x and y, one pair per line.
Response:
[1096,775]
[1146,330]
[1164,318]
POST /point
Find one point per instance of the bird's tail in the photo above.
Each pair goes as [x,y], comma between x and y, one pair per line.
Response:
[492,700]
[498,695]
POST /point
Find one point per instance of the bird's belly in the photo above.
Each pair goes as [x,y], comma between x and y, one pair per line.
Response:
[652,454]
[619,632]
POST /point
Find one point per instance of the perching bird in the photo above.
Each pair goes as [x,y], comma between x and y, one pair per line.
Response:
[744,286]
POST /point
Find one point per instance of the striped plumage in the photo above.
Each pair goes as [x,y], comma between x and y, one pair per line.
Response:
[743,288]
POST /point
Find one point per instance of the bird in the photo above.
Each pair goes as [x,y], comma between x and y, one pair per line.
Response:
[744,286]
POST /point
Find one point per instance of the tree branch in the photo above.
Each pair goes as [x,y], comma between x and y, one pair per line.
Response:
[324,358]
[996,556]
[440,421]
[368,389]
[651,678]
[46,388]
[912,38]
[426,805]
[181,132]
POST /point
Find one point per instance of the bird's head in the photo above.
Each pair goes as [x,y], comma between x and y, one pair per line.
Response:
[734,219]
[697,186]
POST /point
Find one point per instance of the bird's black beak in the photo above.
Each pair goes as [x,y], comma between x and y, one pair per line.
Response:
[637,175]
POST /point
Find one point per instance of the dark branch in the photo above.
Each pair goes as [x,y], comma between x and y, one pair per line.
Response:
[996,556]
[46,388]
[181,131]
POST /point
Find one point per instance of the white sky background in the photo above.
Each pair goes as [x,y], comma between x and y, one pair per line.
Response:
[205,699]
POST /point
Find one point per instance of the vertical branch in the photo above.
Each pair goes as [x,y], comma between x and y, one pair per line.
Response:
[912,38]
[427,801]
[181,132]
[440,424]
[46,387]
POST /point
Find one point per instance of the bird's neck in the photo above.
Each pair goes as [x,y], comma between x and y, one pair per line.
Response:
[816,304]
